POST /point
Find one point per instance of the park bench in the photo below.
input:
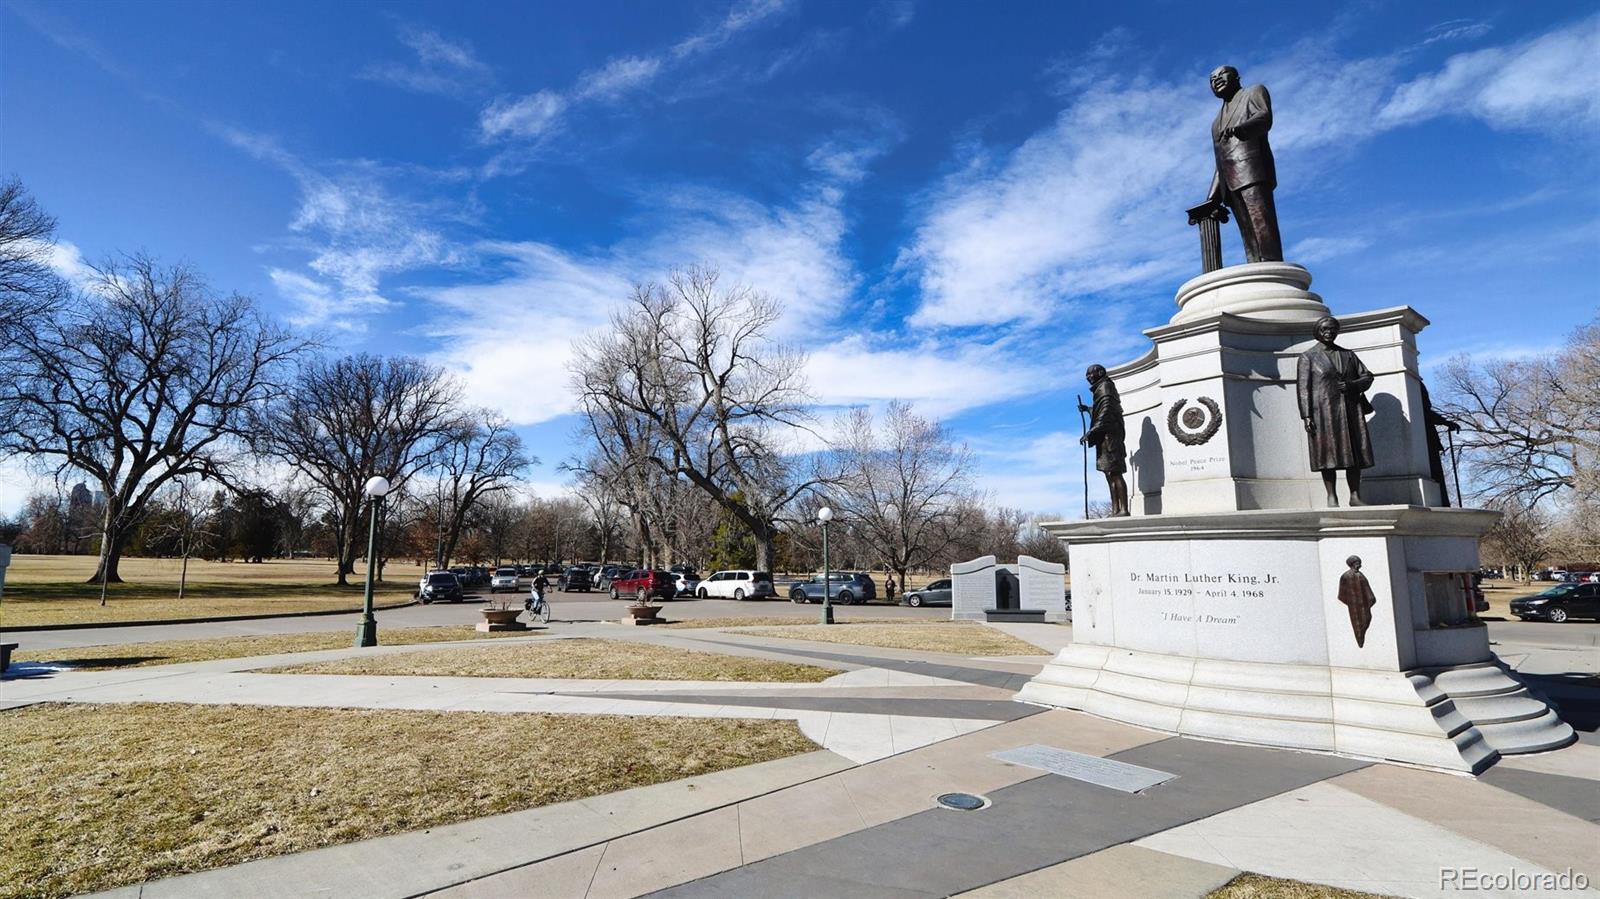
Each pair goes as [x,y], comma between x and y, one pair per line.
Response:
[5,655]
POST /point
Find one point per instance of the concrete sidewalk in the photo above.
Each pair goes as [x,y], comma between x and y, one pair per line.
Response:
[859,819]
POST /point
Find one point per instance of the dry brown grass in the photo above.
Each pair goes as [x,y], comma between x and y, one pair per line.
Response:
[575,658]
[956,637]
[171,652]
[796,621]
[121,794]
[746,621]
[1260,886]
[52,589]
[1500,593]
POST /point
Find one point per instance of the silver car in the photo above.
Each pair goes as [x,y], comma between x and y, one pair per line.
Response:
[504,579]
[935,594]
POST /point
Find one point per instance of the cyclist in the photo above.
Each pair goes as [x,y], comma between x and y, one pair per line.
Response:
[535,601]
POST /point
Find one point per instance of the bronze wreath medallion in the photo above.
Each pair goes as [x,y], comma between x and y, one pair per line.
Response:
[1197,424]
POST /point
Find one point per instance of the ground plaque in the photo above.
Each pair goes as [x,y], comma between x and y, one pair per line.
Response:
[1090,768]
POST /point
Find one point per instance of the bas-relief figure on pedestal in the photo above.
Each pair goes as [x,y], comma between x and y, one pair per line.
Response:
[1108,436]
[1356,594]
[1332,383]
[1246,175]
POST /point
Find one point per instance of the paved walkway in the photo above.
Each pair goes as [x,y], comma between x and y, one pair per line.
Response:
[858,818]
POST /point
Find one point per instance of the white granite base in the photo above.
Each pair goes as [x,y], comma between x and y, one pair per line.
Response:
[1228,626]
[1457,719]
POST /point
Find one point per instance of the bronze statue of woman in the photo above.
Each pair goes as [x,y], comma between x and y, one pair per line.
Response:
[1332,383]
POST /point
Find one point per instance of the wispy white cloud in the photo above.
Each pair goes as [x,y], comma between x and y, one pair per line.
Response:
[529,116]
[443,66]
[793,250]
[1456,30]
[1547,83]
[66,260]
[617,77]
[893,14]
[1092,203]
[536,115]
[1318,249]
[356,231]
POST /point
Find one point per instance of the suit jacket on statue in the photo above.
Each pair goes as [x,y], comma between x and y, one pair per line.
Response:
[1245,158]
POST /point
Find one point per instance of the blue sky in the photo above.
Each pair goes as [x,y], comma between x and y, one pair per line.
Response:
[960,204]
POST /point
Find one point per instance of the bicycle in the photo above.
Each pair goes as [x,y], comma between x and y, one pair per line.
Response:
[537,607]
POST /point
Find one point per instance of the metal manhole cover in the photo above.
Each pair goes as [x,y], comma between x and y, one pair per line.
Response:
[962,802]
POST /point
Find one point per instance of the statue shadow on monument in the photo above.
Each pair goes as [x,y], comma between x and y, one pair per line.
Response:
[1149,467]
[1389,426]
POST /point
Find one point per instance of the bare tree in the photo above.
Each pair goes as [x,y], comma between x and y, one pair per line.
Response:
[693,365]
[29,287]
[360,417]
[1521,537]
[606,510]
[1529,426]
[901,488]
[146,377]
[483,456]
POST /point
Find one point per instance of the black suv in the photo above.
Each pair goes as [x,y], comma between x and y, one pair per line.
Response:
[577,579]
[440,586]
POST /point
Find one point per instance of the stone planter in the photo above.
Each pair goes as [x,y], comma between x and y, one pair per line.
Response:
[643,615]
[501,620]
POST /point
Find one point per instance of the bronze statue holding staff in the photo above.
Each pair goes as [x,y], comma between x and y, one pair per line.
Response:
[1108,435]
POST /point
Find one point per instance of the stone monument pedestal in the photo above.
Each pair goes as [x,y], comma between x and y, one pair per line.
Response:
[1228,626]
[1029,591]
[1222,608]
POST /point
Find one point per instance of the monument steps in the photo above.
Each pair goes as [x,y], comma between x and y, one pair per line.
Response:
[1459,719]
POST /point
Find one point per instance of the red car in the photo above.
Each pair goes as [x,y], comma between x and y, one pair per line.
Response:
[644,584]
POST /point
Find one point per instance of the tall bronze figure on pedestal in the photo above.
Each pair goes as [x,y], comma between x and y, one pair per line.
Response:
[1245,176]
[1108,435]
[1332,385]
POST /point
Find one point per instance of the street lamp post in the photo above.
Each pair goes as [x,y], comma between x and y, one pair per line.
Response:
[367,630]
[824,515]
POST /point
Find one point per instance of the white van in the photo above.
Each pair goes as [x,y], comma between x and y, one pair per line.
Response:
[737,584]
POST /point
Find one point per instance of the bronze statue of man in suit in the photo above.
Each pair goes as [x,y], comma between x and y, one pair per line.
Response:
[1245,176]
[1108,435]
[1331,384]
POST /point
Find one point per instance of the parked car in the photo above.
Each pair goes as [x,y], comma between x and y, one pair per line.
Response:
[687,581]
[608,574]
[642,584]
[1559,603]
[935,594]
[470,576]
[576,580]
[736,584]
[845,588]
[505,579]
[440,586]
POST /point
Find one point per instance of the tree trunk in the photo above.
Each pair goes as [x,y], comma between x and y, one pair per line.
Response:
[763,551]
[110,546]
